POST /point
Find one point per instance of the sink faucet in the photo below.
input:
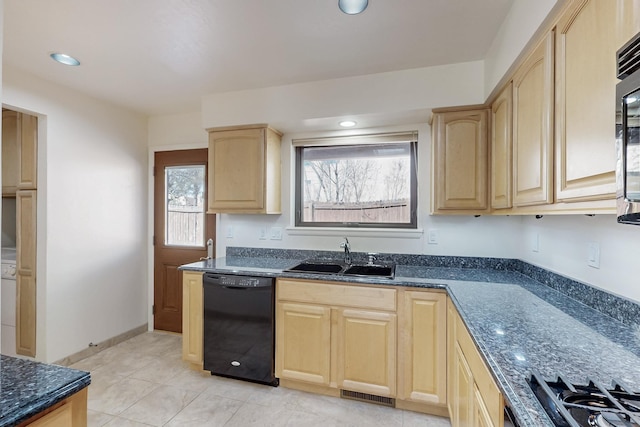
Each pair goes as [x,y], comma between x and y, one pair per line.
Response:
[347,250]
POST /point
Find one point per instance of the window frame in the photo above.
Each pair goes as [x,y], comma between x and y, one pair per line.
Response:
[299,145]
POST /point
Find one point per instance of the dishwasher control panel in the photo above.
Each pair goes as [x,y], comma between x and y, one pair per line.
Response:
[239,281]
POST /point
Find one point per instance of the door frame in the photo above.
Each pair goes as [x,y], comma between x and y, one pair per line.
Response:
[150,215]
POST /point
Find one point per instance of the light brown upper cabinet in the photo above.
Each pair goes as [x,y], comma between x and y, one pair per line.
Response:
[460,159]
[588,35]
[533,127]
[19,151]
[244,174]
[501,149]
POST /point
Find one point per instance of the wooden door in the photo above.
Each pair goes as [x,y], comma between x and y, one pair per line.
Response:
[303,343]
[533,127]
[367,352]
[181,228]
[424,347]
[501,147]
[460,160]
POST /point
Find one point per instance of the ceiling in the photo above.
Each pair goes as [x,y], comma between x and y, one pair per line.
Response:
[161,56]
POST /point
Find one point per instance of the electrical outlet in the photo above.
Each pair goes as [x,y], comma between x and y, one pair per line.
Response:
[535,244]
[593,254]
[229,232]
[262,235]
[276,233]
[432,236]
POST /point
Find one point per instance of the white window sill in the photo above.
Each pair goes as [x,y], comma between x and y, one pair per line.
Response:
[401,233]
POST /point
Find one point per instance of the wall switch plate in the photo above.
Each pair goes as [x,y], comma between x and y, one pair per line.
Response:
[262,234]
[276,233]
[593,254]
[229,232]
[432,236]
[535,244]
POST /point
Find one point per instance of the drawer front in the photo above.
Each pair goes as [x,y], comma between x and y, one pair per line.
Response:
[336,294]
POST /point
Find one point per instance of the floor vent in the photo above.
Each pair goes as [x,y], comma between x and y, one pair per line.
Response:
[370,398]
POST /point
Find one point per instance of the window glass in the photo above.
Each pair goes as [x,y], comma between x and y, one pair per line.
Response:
[184,208]
[367,185]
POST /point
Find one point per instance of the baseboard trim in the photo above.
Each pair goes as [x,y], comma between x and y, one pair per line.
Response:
[110,342]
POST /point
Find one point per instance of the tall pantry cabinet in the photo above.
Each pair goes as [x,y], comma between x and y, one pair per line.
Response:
[19,180]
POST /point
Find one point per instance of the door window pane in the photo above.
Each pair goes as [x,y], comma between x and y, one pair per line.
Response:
[184,208]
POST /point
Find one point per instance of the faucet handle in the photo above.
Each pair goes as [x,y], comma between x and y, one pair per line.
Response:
[371,257]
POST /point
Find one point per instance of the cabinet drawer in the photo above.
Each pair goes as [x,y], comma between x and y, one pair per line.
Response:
[336,294]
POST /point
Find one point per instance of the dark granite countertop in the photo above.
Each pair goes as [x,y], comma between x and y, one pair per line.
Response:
[27,388]
[519,324]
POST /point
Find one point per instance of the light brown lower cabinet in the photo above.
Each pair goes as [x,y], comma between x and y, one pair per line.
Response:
[303,341]
[71,412]
[386,342]
[192,318]
[475,400]
[367,351]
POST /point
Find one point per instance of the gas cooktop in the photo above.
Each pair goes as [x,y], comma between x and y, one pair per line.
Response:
[571,405]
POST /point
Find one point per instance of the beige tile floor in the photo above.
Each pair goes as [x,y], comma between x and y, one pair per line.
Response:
[143,382]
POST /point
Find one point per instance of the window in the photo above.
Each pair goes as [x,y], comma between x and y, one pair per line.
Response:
[184,208]
[359,181]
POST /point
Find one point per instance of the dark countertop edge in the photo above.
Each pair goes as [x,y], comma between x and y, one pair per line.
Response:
[35,407]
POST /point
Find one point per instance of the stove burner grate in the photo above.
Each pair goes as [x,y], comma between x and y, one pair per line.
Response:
[588,405]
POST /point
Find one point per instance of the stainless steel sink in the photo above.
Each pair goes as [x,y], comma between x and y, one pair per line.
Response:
[386,271]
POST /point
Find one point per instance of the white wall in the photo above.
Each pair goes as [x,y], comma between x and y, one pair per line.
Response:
[92,192]
[522,21]
[563,248]
[297,107]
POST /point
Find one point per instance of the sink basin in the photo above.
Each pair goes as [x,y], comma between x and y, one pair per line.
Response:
[386,271]
[330,266]
[320,267]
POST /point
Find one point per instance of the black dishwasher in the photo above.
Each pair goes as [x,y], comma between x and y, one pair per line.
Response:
[239,327]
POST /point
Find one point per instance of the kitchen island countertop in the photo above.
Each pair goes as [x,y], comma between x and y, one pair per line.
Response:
[28,388]
[518,324]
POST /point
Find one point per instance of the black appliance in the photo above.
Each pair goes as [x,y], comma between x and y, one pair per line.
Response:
[239,328]
[571,405]
[628,133]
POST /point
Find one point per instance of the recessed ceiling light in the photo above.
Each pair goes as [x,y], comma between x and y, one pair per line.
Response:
[347,123]
[352,7]
[65,59]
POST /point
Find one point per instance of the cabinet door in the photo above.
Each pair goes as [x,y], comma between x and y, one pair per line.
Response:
[451,364]
[481,416]
[588,36]
[463,393]
[26,272]
[192,317]
[303,342]
[424,349]
[28,152]
[460,161]
[533,127]
[367,352]
[10,136]
[60,417]
[501,147]
[237,170]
